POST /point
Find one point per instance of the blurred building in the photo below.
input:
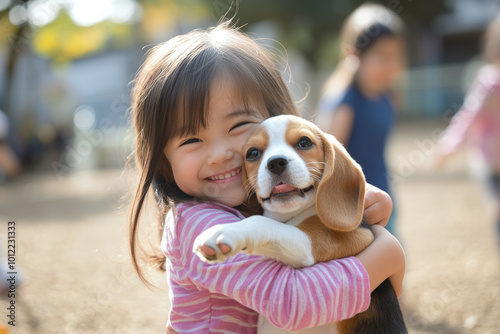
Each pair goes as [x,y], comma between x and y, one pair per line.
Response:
[451,54]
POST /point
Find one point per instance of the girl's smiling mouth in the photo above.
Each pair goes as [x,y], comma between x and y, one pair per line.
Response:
[227,176]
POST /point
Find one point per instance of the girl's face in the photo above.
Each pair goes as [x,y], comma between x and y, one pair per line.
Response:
[207,164]
[382,63]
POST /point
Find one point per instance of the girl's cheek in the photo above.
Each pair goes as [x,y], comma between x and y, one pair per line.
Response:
[243,138]
[188,166]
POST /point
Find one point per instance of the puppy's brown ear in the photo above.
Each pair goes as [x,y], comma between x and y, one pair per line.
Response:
[249,174]
[244,177]
[340,198]
[251,206]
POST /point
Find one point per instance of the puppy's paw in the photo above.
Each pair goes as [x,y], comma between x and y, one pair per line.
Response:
[218,243]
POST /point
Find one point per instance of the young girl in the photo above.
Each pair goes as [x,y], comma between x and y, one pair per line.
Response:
[196,100]
[356,107]
[478,120]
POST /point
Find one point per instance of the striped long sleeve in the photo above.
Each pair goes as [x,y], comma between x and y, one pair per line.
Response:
[225,297]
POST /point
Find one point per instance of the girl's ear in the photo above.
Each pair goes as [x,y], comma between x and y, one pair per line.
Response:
[341,192]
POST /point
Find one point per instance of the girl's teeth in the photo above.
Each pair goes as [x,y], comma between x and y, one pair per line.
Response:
[227,175]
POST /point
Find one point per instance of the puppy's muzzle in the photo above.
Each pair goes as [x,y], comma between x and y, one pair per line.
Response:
[277,164]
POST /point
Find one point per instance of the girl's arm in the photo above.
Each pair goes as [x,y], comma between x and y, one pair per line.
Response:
[453,138]
[289,298]
[383,259]
[385,256]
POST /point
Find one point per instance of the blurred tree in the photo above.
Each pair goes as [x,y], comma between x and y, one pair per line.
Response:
[161,16]
[62,40]
[15,38]
[66,30]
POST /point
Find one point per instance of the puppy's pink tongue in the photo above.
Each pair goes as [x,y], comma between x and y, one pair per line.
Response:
[283,188]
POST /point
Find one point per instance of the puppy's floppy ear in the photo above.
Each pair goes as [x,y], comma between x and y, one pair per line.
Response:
[340,198]
[249,175]
[247,187]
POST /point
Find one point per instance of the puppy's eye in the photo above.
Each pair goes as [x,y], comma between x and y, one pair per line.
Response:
[304,143]
[253,154]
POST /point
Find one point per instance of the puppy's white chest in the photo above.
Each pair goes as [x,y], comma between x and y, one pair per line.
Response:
[265,327]
[293,220]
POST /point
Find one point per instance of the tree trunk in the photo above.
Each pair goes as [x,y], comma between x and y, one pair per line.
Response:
[16,44]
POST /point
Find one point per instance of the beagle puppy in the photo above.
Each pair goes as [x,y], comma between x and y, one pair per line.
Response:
[312,193]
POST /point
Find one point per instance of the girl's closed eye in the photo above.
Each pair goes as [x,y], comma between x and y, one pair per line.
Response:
[240,127]
[237,125]
[190,141]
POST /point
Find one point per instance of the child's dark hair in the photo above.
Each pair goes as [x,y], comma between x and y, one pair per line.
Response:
[170,98]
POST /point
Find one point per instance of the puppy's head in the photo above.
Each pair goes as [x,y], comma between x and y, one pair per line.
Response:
[290,164]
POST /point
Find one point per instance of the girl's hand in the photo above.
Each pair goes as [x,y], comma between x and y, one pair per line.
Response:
[383,259]
[378,206]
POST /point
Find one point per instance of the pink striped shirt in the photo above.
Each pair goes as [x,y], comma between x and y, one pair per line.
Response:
[478,120]
[226,297]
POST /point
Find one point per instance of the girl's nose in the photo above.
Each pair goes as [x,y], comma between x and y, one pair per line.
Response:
[220,154]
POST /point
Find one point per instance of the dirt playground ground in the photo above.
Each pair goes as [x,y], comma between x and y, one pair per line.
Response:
[71,235]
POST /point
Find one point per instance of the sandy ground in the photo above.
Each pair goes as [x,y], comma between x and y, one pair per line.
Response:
[71,236]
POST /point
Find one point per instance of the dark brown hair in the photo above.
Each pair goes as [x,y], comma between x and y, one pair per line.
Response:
[170,98]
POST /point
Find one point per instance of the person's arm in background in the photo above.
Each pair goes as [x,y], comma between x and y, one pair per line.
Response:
[8,160]
[455,135]
[341,123]
[337,123]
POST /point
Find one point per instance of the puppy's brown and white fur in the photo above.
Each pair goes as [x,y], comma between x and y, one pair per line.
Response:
[312,193]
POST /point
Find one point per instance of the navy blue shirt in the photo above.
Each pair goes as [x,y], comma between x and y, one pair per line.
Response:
[373,120]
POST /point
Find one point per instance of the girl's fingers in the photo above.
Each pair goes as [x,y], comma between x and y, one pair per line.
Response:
[370,198]
[377,214]
[378,206]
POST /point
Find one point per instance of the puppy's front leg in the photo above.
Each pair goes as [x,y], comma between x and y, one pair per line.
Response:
[257,235]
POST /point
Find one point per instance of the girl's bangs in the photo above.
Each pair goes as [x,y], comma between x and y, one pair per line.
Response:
[191,108]
[190,96]
[256,84]
[250,89]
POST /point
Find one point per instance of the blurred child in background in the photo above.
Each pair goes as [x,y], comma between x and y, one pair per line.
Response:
[10,165]
[478,120]
[356,106]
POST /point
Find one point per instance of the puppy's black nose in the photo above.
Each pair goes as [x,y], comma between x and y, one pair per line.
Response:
[277,164]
